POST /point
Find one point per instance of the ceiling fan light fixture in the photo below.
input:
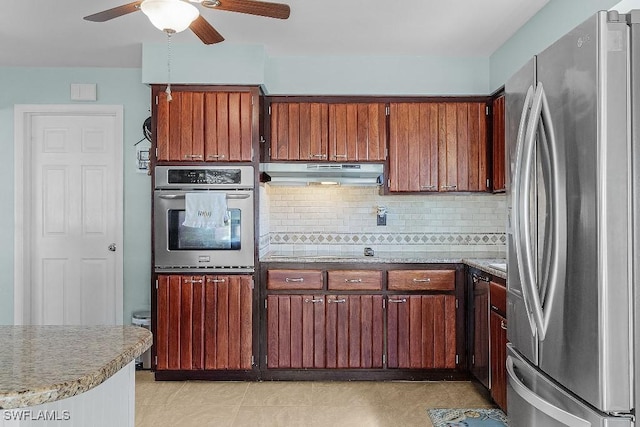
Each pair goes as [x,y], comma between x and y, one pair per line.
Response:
[172,16]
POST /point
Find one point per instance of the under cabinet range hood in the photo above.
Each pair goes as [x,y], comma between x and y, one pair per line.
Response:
[298,173]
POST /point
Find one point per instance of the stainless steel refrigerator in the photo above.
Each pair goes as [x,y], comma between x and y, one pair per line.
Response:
[573,232]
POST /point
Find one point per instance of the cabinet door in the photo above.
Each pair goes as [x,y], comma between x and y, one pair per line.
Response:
[296,331]
[480,358]
[228,126]
[354,331]
[204,126]
[180,322]
[421,331]
[462,146]
[498,359]
[180,126]
[228,322]
[498,145]
[413,147]
[357,132]
[204,323]
[299,131]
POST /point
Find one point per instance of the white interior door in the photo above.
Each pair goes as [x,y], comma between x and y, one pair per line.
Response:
[72,218]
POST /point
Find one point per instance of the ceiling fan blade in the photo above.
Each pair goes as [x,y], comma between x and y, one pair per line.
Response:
[205,31]
[252,7]
[106,15]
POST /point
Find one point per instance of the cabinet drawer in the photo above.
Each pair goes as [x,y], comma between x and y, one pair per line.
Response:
[346,280]
[439,280]
[498,297]
[294,279]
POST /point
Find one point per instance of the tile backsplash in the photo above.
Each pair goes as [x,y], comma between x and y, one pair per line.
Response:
[343,219]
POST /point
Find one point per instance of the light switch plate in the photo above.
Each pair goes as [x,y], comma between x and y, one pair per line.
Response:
[83,92]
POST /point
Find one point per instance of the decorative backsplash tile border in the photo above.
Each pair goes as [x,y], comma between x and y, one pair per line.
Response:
[319,238]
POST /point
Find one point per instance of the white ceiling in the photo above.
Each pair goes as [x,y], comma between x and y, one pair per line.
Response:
[53,33]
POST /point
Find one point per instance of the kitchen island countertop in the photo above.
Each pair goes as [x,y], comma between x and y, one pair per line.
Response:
[484,261]
[43,364]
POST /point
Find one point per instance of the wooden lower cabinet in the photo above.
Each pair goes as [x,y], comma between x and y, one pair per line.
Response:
[204,322]
[421,331]
[498,348]
[324,331]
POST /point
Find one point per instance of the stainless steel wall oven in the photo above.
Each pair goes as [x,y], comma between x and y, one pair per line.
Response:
[227,246]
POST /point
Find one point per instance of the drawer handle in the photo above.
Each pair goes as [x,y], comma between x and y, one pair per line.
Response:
[193,281]
[478,278]
[313,301]
[216,280]
[342,156]
[428,187]
[193,156]
[215,156]
[503,325]
[427,280]
[337,301]
[294,279]
[318,156]
[448,187]
[398,301]
[353,280]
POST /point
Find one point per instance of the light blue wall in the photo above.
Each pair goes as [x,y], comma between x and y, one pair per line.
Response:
[224,63]
[316,75]
[553,21]
[376,75]
[52,86]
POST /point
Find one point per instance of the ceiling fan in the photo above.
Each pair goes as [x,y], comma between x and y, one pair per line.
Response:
[174,16]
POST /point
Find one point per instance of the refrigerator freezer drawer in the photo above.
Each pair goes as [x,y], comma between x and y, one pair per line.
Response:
[534,400]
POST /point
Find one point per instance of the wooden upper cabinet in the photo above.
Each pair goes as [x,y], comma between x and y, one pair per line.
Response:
[498,144]
[310,131]
[299,131]
[462,141]
[357,132]
[438,146]
[413,146]
[204,126]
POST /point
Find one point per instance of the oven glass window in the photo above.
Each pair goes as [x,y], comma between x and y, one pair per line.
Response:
[190,238]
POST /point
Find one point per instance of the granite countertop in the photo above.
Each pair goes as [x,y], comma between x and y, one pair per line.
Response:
[481,260]
[42,364]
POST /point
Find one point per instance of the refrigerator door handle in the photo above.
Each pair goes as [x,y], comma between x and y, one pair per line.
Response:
[520,204]
[539,403]
[540,111]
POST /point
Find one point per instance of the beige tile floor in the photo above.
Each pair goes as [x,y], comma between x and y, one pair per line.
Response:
[299,404]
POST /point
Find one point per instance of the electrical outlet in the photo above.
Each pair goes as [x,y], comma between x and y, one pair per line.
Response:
[382,219]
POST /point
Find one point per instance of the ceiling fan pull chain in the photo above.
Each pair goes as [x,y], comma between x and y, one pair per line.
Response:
[168,90]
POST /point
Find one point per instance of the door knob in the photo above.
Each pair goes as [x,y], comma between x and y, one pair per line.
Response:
[112,247]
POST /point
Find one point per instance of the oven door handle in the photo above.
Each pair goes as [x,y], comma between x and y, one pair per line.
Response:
[181,196]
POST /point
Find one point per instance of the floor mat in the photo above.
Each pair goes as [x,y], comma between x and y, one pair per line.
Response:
[467,417]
